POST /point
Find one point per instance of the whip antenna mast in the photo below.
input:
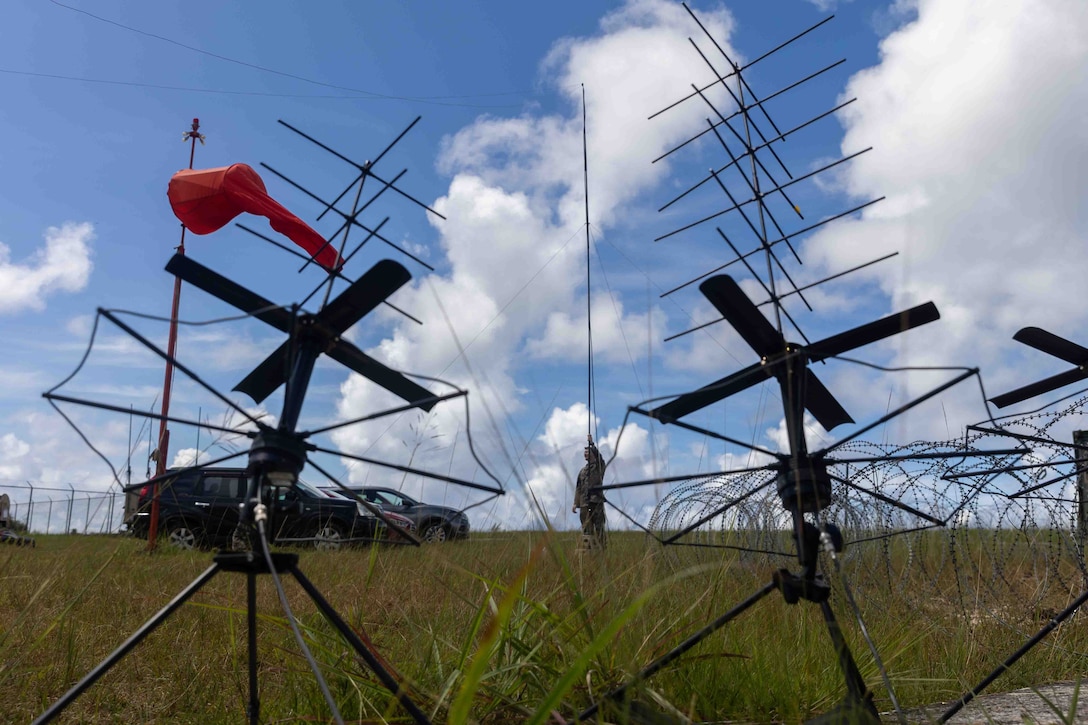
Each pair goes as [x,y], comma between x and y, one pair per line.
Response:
[589,289]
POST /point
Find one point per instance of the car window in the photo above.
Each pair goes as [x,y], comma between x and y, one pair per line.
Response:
[217,486]
[395,499]
[374,496]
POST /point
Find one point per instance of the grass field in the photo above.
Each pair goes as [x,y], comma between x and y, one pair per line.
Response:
[506,627]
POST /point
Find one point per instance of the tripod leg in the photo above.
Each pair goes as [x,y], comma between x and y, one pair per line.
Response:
[858,706]
[353,639]
[1035,639]
[254,709]
[652,668]
[148,627]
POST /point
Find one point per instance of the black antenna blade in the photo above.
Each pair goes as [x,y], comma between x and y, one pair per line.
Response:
[1043,386]
[727,296]
[1051,344]
[366,293]
[822,404]
[874,331]
[818,399]
[263,380]
[710,394]
[396,383]
[272,373]
[229,291]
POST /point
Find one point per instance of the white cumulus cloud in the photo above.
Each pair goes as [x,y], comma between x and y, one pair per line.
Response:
[63,265]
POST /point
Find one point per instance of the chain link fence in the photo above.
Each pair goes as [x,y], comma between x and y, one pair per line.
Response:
[56,510]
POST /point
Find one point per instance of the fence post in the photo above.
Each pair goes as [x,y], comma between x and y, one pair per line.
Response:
[48,515]
[87,516]
[71,499]
[1080,440]
[29,505]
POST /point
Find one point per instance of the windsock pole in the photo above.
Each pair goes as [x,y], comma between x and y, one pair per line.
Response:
[160,453]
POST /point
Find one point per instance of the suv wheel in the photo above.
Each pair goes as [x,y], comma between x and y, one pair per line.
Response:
[329,536]
[182,536]
[435,532]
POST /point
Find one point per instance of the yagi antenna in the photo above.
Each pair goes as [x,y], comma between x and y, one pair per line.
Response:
[755,183]
[367,168]
[350,218]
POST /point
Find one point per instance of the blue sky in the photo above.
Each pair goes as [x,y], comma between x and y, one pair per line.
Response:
[974,116]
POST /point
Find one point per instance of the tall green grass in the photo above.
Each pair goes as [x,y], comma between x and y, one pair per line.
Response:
[505,627]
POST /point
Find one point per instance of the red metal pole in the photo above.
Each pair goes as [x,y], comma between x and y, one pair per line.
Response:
[171,347]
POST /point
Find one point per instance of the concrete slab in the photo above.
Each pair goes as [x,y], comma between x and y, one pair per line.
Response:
[1019,707]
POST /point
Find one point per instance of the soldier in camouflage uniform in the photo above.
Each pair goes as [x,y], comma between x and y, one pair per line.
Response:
[590,504]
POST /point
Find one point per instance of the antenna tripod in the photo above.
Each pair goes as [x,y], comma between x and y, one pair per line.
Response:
[251,565]
[857,707]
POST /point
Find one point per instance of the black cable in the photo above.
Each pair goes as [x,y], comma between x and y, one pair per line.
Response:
[116,476]
[825,540]
[461,355]
[261,534]
[196,323]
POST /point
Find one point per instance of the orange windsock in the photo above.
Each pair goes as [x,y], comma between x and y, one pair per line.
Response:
[206,199]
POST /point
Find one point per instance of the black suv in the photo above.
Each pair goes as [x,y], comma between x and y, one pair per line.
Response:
[433,523]
[200,507]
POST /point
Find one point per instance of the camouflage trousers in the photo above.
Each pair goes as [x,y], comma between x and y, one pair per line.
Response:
[592,517]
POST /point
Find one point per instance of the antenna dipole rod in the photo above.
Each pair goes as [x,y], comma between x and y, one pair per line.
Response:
[762,234]
[749,201]
[753,105]
[365,169]
[777,48]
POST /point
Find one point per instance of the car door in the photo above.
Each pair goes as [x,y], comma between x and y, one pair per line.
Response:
[218,494]
[298,512]
[288,516]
